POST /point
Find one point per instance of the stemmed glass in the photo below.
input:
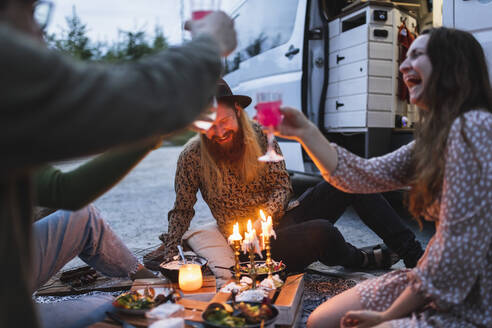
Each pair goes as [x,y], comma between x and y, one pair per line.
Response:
[199,9]
[268,114]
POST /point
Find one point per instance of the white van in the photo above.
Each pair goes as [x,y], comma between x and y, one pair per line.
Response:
[338,61]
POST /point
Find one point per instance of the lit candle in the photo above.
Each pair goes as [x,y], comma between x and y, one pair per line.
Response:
[190,277]
[269,232]
[235,234]
[266,228]
[266,233]
[262,215]
[235,242]
[251,240]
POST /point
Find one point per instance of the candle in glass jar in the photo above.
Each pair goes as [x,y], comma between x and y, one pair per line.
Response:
[190,277]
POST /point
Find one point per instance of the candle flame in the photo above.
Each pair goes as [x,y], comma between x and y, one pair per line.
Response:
[235,229]
[249,226]
[235,234]
[267,228]
[262,215]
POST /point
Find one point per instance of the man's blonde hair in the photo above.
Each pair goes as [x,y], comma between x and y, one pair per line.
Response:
[246,167]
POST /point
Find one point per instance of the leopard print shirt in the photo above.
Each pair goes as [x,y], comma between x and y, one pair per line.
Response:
[236,201]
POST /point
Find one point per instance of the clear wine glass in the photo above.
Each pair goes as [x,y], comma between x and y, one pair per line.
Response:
[199,9]
[268,114]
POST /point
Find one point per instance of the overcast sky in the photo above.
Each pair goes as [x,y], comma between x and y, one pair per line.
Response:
[104,17]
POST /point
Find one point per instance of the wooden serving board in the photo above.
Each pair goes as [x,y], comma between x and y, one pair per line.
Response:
[288,302]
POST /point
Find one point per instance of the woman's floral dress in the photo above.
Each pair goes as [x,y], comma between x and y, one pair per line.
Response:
[455,271]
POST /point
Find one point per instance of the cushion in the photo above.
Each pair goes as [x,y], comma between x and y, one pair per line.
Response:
[209,242]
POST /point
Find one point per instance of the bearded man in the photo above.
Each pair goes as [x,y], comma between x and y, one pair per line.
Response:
[223,165]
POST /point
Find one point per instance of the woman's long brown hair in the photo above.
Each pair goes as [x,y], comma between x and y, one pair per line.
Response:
[459,82]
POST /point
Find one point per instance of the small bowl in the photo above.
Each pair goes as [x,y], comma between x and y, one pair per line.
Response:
[173,273]
[282,273]
[266,323]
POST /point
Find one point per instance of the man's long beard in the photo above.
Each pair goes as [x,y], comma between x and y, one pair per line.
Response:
[231,154]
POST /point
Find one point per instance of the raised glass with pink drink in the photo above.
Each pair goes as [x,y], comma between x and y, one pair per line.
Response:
[268,114]
[201,8]
[199,14]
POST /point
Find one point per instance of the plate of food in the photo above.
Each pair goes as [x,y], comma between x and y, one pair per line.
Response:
[262,269]
[170,268]
[137,302]
[239,314]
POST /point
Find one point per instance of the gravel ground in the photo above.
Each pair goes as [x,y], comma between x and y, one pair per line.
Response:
[137,207]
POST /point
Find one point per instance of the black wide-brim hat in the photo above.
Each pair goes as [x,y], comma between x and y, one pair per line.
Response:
[224,93]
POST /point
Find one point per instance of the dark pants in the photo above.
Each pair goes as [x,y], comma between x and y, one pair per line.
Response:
[307,233]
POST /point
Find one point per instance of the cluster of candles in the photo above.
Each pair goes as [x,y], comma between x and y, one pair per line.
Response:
[251,244]
[190,275]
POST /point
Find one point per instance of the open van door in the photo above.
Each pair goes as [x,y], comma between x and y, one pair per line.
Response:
[269,52]
[269,56]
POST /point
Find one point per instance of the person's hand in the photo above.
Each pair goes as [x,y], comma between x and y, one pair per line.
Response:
[153,259]
[219,26]
[294,124]
[361,319]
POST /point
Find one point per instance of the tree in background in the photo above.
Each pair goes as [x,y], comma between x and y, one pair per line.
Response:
[160,42]
[135,46]
[74,41]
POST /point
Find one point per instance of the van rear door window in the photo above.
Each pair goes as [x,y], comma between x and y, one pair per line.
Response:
[261,25]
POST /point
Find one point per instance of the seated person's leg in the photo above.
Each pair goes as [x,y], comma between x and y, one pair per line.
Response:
[331,312]
[322,201]
[376,294]
[61,236]
[375,211]
[209,242]
[301,244]
[75,313]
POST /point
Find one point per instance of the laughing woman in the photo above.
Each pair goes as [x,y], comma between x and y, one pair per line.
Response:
[449,170]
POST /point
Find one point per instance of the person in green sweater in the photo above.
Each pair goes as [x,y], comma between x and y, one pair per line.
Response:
[79,229]
[54,108]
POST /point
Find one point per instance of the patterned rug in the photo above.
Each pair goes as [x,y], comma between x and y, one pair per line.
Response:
[318,288]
